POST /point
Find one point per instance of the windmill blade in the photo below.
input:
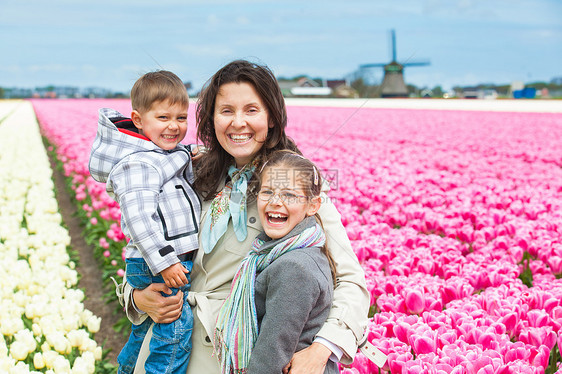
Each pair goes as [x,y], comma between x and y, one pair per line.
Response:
[393,44]
[365,66]
[417,63]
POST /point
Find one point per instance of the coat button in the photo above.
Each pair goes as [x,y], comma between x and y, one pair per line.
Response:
[252,219]
[207,339]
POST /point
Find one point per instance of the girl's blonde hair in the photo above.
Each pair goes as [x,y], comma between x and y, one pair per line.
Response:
[310,179]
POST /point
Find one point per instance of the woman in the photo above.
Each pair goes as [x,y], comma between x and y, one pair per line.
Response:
[241,119]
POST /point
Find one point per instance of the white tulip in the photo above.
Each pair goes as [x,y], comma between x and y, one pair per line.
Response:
[18,350]
[94,324]
[80,366]
[98,353]
[61,365]
[36,329]
[70,323]
[3,347]
[11,326]
[90,358]
[89,345]
[6,363]
[49,358]
[85,316]
[45,347]
[26,337]
[20,368]
[38,361]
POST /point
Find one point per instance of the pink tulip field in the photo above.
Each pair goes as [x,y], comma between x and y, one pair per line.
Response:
[455,216]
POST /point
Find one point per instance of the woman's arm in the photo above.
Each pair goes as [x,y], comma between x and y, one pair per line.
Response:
[348,317]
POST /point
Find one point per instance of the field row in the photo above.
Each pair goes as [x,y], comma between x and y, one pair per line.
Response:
[44,325]
[456,217]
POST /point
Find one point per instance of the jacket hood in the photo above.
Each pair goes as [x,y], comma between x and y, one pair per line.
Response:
[112,145]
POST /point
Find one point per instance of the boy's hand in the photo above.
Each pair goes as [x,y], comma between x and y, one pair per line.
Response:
[197,152]
[174,276]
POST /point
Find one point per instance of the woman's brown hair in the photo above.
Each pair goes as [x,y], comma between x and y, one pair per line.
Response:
[212,168]
[310,179]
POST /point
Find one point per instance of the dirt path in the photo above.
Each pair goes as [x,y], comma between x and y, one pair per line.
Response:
[90,281]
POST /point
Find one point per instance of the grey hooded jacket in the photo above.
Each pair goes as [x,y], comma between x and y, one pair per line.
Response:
[160,211]
[293,298]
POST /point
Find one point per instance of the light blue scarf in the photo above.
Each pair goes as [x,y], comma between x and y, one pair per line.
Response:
[230,202]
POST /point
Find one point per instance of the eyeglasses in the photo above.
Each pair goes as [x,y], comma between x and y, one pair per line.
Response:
[286,196]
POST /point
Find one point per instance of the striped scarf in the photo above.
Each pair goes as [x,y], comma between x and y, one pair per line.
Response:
[237,323]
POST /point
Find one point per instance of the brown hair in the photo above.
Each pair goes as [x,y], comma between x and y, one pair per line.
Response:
[157,86]
[309,177]
[213,166]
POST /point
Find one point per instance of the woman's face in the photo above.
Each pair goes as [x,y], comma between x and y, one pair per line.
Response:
[241,121]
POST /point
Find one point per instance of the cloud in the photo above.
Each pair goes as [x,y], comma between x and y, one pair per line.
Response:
[213,19]
[242,20]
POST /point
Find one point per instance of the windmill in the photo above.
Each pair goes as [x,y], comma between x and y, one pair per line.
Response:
[393,83]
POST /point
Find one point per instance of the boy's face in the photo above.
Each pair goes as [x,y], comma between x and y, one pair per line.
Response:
[164,124]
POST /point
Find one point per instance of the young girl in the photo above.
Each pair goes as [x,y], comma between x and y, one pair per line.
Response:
[284,287]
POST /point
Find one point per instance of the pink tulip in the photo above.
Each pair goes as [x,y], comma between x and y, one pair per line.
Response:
[402,331]
[103,243]
[516,351]
[415,301]
[510,321]
[422,344]
[542,356]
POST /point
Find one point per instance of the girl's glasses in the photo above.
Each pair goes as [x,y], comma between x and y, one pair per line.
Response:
[286,196]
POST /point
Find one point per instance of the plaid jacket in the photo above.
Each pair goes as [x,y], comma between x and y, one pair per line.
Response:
[160,211]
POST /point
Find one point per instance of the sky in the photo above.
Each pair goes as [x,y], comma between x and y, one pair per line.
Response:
[110,43]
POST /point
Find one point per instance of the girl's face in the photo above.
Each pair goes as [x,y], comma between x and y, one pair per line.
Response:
[282,201]
[241,121]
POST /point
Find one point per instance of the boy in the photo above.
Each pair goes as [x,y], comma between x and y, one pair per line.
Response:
[148,172]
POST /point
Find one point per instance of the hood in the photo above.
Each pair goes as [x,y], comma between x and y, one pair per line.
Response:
[116,139]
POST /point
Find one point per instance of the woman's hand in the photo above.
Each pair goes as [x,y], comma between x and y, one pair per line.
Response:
[311,360]
[160,308]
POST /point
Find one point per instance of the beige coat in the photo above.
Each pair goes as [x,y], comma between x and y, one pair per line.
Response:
[213,273]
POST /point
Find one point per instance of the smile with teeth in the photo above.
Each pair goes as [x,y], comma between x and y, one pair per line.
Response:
[169,137]
[276,218]
[241,138]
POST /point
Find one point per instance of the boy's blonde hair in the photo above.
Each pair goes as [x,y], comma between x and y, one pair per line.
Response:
[160,85]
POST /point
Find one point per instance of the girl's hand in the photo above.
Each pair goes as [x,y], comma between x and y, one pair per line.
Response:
[160,308]
[311,360]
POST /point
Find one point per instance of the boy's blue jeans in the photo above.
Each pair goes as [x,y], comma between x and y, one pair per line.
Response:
[170,345]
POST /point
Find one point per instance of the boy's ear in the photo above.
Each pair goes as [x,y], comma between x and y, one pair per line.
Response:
[136,118]
[313,206]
